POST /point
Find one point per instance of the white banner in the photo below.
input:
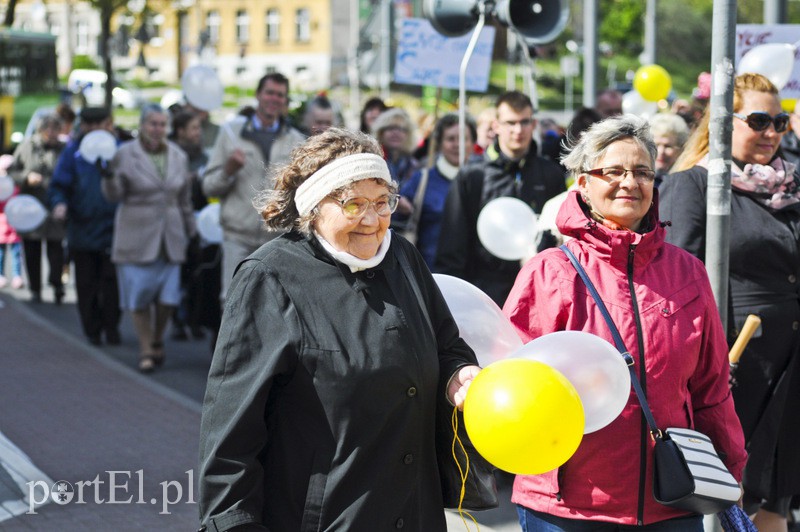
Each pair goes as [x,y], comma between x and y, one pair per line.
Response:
[425,57]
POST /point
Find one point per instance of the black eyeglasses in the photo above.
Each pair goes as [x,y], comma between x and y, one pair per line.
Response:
[356,207]
[615,174]
[759,120]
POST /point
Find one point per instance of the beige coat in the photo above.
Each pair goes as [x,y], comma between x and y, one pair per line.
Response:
[239,219]
[154,213]
[32,156]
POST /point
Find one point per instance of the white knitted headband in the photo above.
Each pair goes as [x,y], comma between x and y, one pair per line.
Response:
[341,172]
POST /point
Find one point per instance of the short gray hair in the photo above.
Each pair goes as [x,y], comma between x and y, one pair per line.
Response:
[670,124]
[150,109]
[586,150]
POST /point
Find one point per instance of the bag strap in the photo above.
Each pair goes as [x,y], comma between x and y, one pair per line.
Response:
[419,198]
[637,386]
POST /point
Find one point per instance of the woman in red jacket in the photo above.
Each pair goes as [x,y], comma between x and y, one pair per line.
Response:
[660,299]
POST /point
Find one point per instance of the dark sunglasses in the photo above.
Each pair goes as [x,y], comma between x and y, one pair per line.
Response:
[759,121]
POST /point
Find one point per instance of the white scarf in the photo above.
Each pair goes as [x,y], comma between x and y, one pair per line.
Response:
[445,168]
[354,263]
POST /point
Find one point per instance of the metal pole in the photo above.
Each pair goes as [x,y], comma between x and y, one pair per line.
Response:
[352,67]
[774,11]
[511,47]
[590,23]
[386,47]
[718,208]
[650,25]
[462,81]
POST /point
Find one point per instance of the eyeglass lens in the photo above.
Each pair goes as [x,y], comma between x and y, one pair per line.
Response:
[355,207]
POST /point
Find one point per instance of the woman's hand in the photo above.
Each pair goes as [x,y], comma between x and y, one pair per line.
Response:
[459,384]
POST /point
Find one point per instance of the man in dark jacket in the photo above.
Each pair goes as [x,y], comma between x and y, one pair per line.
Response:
[511,169]
[74,194]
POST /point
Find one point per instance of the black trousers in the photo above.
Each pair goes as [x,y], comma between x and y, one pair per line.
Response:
[33,263]
[98,295]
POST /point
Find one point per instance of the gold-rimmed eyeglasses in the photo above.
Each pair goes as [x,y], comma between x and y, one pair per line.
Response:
[356,207]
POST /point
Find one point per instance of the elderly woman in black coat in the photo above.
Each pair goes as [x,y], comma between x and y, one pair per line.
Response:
[334,349]
[764,275]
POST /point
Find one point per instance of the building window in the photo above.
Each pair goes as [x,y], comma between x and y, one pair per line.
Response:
[273,23]
[212,25]
[82,37]
[242,26]
[302,25]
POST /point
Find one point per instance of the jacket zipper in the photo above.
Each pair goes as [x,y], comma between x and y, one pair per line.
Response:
[644,431]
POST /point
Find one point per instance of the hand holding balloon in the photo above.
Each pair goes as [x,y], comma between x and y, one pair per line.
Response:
[459,384]
[234,163]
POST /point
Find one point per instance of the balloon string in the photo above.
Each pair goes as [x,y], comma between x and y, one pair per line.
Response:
[462,472]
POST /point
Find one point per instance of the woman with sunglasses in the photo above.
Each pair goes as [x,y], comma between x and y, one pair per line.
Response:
[764,280]
[334,350]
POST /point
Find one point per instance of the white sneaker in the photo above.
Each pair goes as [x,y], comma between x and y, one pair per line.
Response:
[3,281]
[17,283]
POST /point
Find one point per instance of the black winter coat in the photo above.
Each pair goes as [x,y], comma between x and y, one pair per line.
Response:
[460,252]
[321,399]
[764,280]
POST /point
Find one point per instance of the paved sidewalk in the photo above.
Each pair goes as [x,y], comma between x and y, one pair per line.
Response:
[79,415]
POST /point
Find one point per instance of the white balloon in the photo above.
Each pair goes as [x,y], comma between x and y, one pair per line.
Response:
[202,87]
[208,223]
[592,365]
[170,98]
[98,144]
[25,213]
[775,61]
[6,187]
[480,321]
[507,228]
[634,104]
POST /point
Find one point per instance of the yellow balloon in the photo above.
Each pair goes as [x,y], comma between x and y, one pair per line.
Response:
[523,416]
[788,104]
[652,82]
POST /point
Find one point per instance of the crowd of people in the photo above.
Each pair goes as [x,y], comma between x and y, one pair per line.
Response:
[326,321]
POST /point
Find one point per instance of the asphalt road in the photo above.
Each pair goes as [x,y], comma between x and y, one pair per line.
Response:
[184,376]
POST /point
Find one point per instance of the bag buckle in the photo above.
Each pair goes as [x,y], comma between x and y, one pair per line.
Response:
[656,434]
[628,358]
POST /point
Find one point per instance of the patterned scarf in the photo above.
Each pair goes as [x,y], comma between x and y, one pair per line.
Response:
[773,185]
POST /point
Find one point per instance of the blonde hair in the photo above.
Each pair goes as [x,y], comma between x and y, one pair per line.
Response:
[697,145]
[395,117]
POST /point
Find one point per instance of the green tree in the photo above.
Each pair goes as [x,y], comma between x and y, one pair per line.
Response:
[621,25]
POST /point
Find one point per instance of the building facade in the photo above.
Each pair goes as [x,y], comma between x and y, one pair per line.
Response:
[307,40]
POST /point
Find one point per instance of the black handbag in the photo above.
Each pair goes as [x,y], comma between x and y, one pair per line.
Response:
[687,472]
[480,486]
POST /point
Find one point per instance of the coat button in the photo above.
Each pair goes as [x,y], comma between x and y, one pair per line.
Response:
[407,459]
[370,275]
[795,325]
[411,392]
[399,523]
[792,279]
[665,311]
